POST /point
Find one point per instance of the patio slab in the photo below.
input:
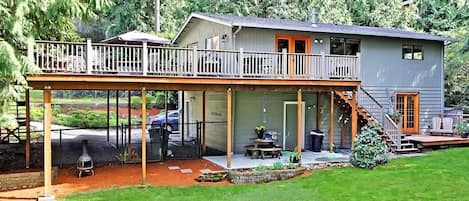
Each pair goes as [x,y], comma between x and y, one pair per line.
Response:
[240,161]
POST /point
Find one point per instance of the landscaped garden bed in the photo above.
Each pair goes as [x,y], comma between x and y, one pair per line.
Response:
[19,180]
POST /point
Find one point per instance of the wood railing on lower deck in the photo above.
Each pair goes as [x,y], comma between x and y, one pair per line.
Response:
[99,58]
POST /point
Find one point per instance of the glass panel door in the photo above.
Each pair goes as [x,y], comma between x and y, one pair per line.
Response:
[297,63]
[408,105]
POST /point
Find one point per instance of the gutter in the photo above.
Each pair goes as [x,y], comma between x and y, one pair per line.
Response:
[234,36]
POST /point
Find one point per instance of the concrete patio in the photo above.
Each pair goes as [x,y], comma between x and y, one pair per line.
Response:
[240,161]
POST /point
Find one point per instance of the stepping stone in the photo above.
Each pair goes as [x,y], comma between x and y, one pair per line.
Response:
[204,171]
[186,171]
[174,167]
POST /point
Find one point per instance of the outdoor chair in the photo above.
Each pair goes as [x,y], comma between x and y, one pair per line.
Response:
[436,125]
[447,126]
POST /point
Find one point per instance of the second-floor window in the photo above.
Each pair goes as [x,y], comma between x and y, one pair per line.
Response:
[412,52]
[345,46]
[213,43]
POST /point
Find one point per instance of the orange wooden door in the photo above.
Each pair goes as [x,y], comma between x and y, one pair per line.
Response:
[408,105]
[297,64]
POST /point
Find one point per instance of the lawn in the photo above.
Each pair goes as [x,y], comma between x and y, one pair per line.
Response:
[442,175]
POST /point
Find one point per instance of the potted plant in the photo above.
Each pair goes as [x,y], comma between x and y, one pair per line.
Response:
[260,131]
[463,128]
[395,116]
[295,156]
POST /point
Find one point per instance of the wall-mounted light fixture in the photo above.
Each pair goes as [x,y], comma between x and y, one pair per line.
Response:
[318,41]
[224,38]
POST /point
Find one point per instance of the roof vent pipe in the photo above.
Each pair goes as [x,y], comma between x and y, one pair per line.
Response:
[314,16]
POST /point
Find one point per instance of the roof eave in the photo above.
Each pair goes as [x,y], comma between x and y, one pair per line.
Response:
[202,17]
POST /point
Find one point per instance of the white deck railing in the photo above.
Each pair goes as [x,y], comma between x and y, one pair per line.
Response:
[99,58]
[392,130]
[370,104]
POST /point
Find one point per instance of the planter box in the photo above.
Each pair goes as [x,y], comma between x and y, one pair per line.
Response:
[12,181]
[239,177]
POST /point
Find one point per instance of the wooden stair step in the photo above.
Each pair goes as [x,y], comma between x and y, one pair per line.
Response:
[406,150]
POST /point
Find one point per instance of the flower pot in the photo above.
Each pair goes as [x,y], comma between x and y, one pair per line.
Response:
[464,134]
[260,134]
[294,159]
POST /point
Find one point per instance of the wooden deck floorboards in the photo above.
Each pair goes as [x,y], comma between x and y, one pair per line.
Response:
[428,140]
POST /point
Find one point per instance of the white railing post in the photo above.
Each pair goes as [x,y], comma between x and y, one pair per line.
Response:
[145,59]
[323,65]
[357,67]
[284,62]
[194,61]
[31,52]
[89,54]
[241,62]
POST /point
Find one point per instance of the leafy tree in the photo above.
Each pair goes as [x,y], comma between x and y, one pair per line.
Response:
[21,21]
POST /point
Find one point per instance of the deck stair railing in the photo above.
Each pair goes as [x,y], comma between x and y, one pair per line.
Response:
[392,131]
[370,104]
[99,58]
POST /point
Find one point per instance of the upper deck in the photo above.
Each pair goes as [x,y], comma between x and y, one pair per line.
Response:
[59,61]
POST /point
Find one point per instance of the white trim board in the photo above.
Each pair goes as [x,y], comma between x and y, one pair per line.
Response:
[285,103]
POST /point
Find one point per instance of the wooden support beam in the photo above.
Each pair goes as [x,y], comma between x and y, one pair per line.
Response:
[108,123]
[342,135]
[117,118]
[318,110]
[28,129]
[183,116]
[354,116]
[299,133]
[229,100]
[144,136]
[331,124]
[47,142]
[204,145]
[129,122]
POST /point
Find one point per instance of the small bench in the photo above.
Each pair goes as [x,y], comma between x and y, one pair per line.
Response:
[256,152]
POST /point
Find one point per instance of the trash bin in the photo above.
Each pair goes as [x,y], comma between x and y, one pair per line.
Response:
[316,140]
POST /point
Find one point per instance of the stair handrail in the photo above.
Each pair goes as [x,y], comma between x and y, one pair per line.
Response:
[370,104]
[392,130]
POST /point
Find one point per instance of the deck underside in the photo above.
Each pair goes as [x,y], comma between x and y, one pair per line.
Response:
[129,82]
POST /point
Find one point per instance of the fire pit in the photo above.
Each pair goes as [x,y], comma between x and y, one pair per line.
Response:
[85,162]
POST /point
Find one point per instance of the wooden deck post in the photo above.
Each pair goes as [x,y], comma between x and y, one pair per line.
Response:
[183,116]
[117,118]
[228,127]
[331,124]
[204,145]
[28,129]
[354,116]
[144,58]
[318,111]
[47,142]
[108,123]
[129,122]
[299,133]
[144,137]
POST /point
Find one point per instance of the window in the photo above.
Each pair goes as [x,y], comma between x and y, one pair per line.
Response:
[213,43]
[412,52]
[345,46]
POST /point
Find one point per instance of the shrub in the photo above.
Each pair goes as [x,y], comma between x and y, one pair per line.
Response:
[369,150]
[37,113]
[277,166]
[261,168]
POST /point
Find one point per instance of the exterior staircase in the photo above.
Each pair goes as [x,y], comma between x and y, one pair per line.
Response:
[370,110]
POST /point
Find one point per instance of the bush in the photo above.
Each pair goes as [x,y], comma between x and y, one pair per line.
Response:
[277,166]
[136,101]
[37,113]
[369,150]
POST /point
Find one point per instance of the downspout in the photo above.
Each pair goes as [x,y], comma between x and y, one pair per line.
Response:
[442,74]
[234,36]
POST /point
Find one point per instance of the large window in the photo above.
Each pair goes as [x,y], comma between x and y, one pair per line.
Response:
[213,43]
[412,52]
[345,46]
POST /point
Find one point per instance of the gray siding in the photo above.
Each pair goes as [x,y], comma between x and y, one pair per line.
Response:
[249,114]
[383,71]
[201,30]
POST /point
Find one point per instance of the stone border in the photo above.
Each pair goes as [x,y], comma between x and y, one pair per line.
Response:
[328,164]
[13,181]
[249,177]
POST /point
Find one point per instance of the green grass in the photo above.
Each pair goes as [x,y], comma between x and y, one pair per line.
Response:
[443,175]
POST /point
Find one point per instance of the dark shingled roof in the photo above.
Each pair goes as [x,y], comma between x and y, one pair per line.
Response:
[284,24]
